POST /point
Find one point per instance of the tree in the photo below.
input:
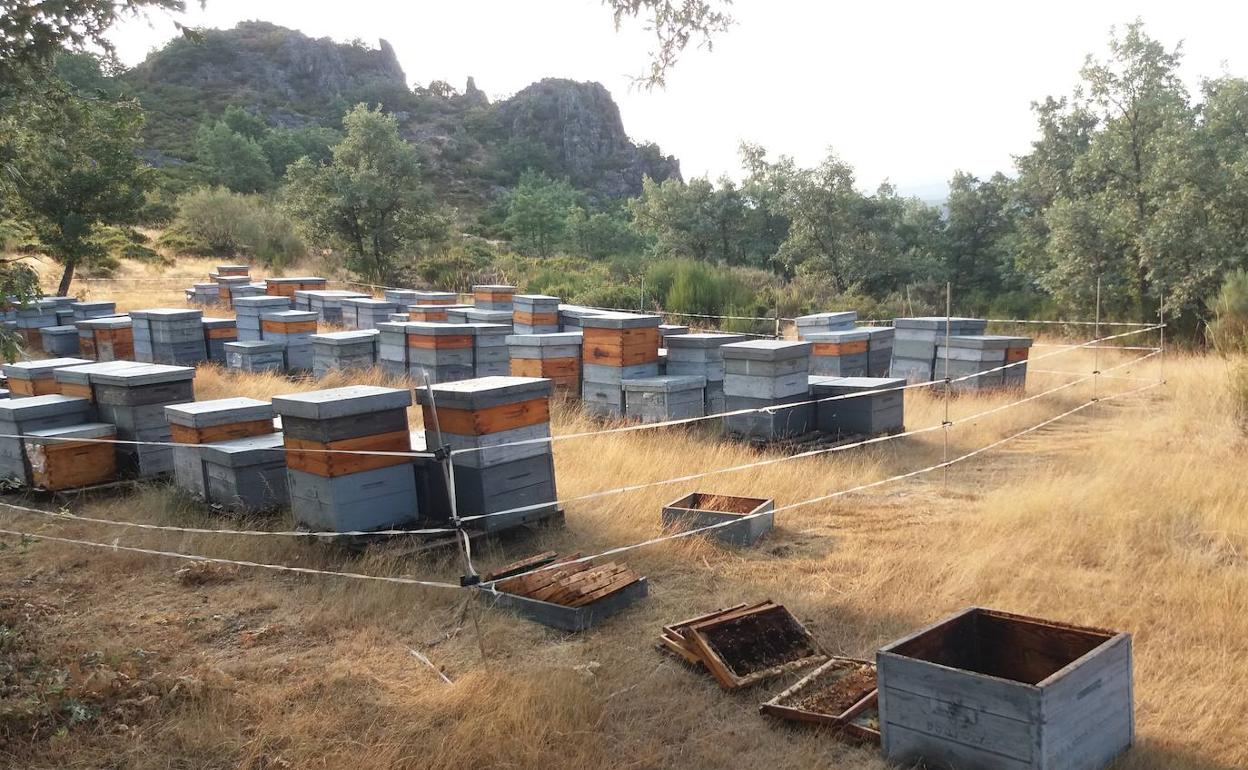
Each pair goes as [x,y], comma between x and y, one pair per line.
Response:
[600,234]
[674,25]
[369,198]
[232,159]
[537,212]
[284,146]
[678,217]
[976,233]
[77,169]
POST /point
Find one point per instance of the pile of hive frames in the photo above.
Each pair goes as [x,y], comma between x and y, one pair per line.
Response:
[915,341]
[616,347]
[556,357]
[59,340]
[430,297]
[71,457]
[133,399]
[879,349]
[20,416]
[400,296]
[825,322]
[568,594]
[248,310]
[84,310]
[699,354]
[741,646]
[665,397]
[286,287]
[488,416]
[428,313]
[343,351]
[366,312]
[169,336]
[867,415]
[975,353]
[234,457]
[442,351]
[841,695]
[217,332]
[535,314]
[106,339]
[767,373]
[840,353]
[493,297]
[326,303]
[294,329]
[33,316]
[255,355]
[490,355]
[36,378]
[204,294]
[342,492]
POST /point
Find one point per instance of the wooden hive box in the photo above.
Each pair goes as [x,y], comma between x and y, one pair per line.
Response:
[76,380]
[426,297]
[58,462]
[234,270]
[570,597]
[493,296]
[36,378]
[621,340]
[752,517]
[286,287]
[987,689]
[426,312]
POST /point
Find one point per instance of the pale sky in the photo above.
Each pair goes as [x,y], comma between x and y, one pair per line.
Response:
[906,91]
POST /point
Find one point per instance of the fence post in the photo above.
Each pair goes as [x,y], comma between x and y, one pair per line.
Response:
[945,423]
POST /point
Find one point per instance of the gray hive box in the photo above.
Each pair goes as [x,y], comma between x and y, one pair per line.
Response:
[870,415]
[85,310]
[401,296]
[20,416]
[77,380]
[571,316]
[392,347]
[59,341]
[879,349]
[839,353]
[500,473]
[397,318]
[753,517]
[488,316]
[763,374]
[616,347]
[328,304]
[169,336]
[825,322]
[699,354]
[671,330]
[366,312]
[133,399]
[248,310]
[434,297]
[493,297]
[442,351]
[199,424]
[246,474]
[987,689]
[535,314]
[294,329]
[245,290]
[347,492]
[343,351]
[490,356]
[915,341]
[968,355]
[256,356]
[36,378]
[107,338]
[217,332]
[663,398]
[204,294]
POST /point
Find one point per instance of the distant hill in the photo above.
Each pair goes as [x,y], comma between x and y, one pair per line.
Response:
[472,148]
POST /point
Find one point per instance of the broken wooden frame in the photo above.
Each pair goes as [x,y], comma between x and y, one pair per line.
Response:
[859,721]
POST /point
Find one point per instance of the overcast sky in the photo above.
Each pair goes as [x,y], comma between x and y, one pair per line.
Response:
[905,91]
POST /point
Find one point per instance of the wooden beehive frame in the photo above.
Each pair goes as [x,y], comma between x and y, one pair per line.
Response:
[570,585]
[780,707]
[696,635]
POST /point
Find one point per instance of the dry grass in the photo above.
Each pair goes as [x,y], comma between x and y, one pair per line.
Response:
[1127,515]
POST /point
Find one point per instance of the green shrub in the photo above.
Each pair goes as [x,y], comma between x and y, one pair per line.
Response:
[1228,331]
[217,222]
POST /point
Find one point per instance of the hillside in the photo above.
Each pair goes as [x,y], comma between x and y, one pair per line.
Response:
[471,148]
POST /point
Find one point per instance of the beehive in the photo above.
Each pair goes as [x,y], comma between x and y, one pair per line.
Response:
[535,314]
[915,341]
[84,310]
[571,317]
[217,332]
[427,313]
[328,304]
[29,318]
[870,415]
[106,339]
[988,689]
[425,297]
[443,351]
[767,373]
[169,336]
[493,297]
[209,422]
[670,330]
[974,357]
[479,316]
[490,356]
[489,415]
[238,291]
[457,314]
[392,347]
[59,341]
[825,322]
[248,310]
[666,397]
[246,474]
[366,312]
[76,380]
[286,287]
[133,399]
[36,378]
[343,351]
[700,354]
[204,294]
[234,270]
[616,347]
[839,353]
[294,329]
[58,461]
[401,297]
[337,491]
[738,521]
[19,416]
[231,287]
[879,349]
[556,357]
[256,356]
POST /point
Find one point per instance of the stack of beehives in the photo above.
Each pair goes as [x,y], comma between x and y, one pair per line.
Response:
[490,357]
[33,316]
[110,338]
[980,358]
[914,346]
[343,351]
[248,310]
[169,336]
[535,314]
[217,332]
[825,322]
[366,312]
[49,460]
[879,349]
[328,304]
[700,354]
[839,353]
[294,330]
[133,399]
[554,356]
[233,458]
[442,351]
[494,297]
[767,373]
[616,347]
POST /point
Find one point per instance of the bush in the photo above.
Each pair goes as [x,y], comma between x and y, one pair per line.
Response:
[217,222]
[1228,332]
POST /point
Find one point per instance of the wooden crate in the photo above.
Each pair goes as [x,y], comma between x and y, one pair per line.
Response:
[565,372]
[318,459]
[856,716]
[987,689]
[567,596]
[71,464]
[753,516]
[620,347]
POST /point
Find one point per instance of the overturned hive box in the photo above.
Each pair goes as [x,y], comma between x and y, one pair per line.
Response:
[987,689]
[569,596]
[840,693]
[737,520]
[72,456]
